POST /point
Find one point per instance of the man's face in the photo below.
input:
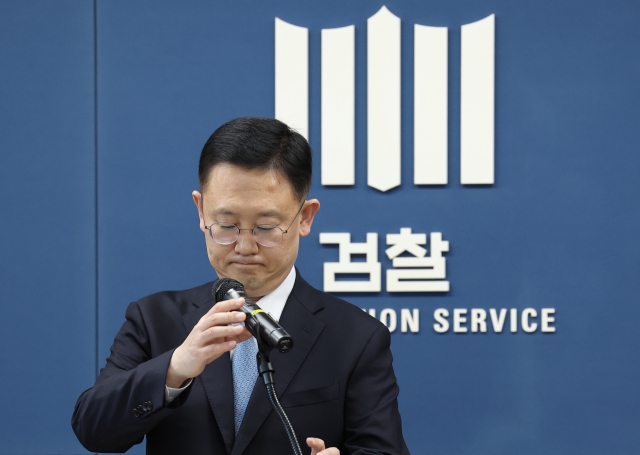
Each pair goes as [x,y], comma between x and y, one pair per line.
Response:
[248,198]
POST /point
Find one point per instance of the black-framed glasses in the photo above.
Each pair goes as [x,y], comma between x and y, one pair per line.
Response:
[268,235]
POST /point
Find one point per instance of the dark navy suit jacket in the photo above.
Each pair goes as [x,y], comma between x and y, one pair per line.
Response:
[337,384]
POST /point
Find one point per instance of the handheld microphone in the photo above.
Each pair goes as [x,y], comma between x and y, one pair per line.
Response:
[258,322]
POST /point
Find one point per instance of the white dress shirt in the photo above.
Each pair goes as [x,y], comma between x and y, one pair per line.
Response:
[273,303]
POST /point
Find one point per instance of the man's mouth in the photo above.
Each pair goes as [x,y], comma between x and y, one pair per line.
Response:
[244,263]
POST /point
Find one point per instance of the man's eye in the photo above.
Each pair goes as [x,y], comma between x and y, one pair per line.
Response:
[265,228]
[227,227]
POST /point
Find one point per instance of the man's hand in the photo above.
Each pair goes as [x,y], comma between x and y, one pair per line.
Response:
[210,338]
[317,447]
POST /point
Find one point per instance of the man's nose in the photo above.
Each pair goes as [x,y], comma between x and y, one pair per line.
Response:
[246,243]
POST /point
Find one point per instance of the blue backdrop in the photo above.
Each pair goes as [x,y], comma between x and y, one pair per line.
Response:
[105,106]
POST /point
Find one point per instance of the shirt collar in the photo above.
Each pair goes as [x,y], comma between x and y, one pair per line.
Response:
[273,303]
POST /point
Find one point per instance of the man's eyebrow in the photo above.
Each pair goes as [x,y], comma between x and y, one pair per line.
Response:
[223,211]
[269,214]
[263,213]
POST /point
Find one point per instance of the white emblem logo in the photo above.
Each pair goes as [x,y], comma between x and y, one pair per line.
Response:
[477,88]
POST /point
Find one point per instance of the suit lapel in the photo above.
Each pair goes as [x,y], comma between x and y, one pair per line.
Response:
[216,377]
[298,320]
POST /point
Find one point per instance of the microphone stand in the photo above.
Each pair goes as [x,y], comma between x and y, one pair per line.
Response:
[265,369]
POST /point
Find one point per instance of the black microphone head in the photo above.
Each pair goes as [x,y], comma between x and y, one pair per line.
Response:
[223,285]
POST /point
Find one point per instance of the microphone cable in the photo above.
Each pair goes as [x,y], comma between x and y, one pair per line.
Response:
[295,445]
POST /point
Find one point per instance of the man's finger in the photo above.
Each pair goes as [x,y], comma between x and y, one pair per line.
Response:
[244,336]
[226,305]
[232,317]
[316,445]
[220,333]
[219,320]
[213,318]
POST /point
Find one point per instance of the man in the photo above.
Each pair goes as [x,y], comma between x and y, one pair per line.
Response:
[178,371]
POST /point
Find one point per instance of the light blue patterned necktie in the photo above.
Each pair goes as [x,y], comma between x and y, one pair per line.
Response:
[245,373]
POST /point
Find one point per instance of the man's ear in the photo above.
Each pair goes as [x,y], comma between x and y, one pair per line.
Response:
[197,199]
[307,214]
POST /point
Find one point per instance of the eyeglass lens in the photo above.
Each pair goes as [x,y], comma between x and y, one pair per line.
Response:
[265,235]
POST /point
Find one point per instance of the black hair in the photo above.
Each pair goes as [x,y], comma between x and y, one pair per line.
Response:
[259,143]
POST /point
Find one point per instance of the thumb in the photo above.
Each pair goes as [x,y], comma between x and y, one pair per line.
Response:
[317,445]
